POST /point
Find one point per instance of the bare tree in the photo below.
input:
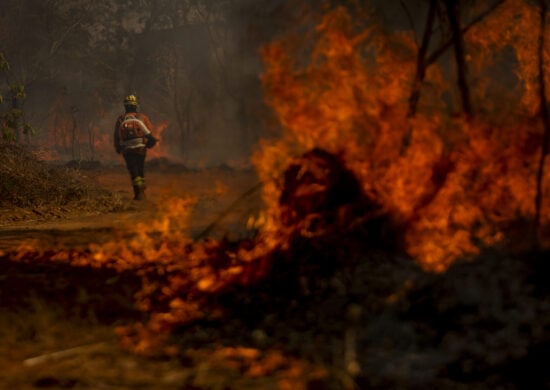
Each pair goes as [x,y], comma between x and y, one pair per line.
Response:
[436,54]
[75,132]
[421,63]
[424,60]
[453,14]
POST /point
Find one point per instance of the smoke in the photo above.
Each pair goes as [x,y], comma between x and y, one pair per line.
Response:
[195,66]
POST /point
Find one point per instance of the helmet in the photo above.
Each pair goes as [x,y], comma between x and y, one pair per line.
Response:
[131,100]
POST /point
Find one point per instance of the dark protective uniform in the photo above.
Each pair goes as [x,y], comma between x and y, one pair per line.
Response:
[133,145]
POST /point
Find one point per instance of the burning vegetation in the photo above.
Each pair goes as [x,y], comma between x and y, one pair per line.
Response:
[386,180]
[456,183]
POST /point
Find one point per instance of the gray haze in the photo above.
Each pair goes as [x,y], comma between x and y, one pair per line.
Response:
[194,64]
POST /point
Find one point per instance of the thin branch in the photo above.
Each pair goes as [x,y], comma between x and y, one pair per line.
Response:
[545,114]
[409,18]
[453,13]
[440,50]
[421,60]
[227,211]
[65,353]
[56,45]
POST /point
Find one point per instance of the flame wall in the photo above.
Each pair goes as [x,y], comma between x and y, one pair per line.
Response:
[456,184]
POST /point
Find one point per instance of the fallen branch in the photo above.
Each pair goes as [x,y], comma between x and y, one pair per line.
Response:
[65,353]
[224,214]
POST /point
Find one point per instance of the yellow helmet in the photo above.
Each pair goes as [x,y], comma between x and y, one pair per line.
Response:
[131,100]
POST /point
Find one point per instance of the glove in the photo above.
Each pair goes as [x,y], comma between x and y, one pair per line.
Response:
[150,141]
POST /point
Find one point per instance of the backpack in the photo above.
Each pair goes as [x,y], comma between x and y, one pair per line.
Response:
[132,128]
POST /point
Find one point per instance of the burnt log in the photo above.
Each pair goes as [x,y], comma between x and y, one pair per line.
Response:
[321,196]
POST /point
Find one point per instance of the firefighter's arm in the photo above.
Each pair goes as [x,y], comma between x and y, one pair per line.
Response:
[147,123]
[150,139]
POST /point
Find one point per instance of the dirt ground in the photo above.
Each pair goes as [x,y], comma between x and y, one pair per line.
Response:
[379,323]
[57,323]
[216,193]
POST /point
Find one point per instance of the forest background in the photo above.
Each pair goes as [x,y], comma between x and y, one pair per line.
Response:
[194,65]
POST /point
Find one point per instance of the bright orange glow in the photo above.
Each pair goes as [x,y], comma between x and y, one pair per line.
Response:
[456,184]
[159,150]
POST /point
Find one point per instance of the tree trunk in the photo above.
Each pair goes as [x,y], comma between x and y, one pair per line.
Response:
[421,60]
[188,119]
[74,135]
[91,140]
[453,13]
[545,114]
[441,49]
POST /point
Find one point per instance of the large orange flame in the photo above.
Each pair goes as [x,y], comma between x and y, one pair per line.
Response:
[455,183]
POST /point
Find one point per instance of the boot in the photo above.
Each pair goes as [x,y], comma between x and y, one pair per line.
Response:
[138,193]
[139,188]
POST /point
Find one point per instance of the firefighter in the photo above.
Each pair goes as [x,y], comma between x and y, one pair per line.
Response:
[132,137]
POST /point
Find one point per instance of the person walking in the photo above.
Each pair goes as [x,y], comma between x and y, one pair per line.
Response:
[132,137]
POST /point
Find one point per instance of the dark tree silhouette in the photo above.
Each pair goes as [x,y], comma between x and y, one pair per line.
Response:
[421,63]
[545,114]
[453,14]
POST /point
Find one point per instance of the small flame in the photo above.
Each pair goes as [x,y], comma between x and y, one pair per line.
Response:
[159,150]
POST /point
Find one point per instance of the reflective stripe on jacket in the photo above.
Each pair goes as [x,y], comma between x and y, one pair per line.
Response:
[137,143]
